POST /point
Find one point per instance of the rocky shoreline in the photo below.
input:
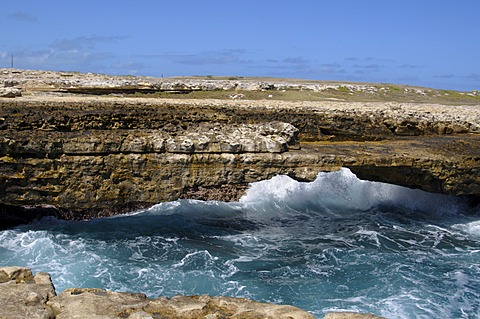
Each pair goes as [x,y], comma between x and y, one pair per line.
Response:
[24,295]
[74,155]
[80,146]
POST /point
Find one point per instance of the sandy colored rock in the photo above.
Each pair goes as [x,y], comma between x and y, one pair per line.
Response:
[85,156]
[10,92]
[101,304]
[25,295]
[91,185]
[17,274]
[28,296]
[77,303]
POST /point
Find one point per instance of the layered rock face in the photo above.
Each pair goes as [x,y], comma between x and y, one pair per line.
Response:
[77,156]
[23,295]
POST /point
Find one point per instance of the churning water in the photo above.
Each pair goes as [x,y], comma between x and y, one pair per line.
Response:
[338,243]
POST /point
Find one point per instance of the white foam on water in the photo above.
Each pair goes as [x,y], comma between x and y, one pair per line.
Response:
[471,228]
[343,189]
[193,258]
[367,246]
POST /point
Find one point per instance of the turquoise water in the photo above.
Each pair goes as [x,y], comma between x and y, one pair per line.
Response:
[338,243]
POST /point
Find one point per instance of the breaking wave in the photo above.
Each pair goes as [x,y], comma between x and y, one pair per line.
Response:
[338,243]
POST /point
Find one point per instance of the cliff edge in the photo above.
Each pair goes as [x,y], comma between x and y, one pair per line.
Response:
[83,145]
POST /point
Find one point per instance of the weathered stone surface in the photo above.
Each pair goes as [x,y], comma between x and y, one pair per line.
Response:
[9,89]
[78,303]
[18,274]
[110,183]
[98,303]
[314,120]
[102,84]
[82,156]
[26,296]
[270,137]
[23,295]
[10,92]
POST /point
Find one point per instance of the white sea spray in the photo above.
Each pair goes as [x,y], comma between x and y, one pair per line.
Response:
[338,243]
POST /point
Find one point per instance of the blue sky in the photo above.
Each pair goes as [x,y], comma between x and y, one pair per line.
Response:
[434,43]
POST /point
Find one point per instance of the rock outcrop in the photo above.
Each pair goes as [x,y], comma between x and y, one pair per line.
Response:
[23,295]
[98,303]
[10,92]
[78,156]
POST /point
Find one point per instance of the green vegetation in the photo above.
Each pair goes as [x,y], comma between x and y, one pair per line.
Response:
[337,92]
[343,89]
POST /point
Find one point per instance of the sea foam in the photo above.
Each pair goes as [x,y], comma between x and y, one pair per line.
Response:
[337,243]
[343,189]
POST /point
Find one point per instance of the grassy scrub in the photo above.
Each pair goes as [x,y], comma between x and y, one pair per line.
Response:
[335,92]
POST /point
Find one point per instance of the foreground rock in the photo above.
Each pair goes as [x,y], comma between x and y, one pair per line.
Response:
[23,295]
[98,303]
[79,156]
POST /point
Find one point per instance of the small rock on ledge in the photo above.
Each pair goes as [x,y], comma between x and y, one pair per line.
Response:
[10,92]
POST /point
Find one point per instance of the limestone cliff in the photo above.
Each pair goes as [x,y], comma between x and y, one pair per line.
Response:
[82,156]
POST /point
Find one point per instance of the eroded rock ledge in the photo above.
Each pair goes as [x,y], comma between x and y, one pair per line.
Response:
[80,156]
[23,295]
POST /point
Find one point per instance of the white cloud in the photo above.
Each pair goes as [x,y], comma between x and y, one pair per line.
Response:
[22,16]
[296,60]
[330,68]
[219,57]
[84,42]
[51,58]
[132,68]
[444,76]
[410,66]
[80,54]
[473,77]
[366,68]
[369,59]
